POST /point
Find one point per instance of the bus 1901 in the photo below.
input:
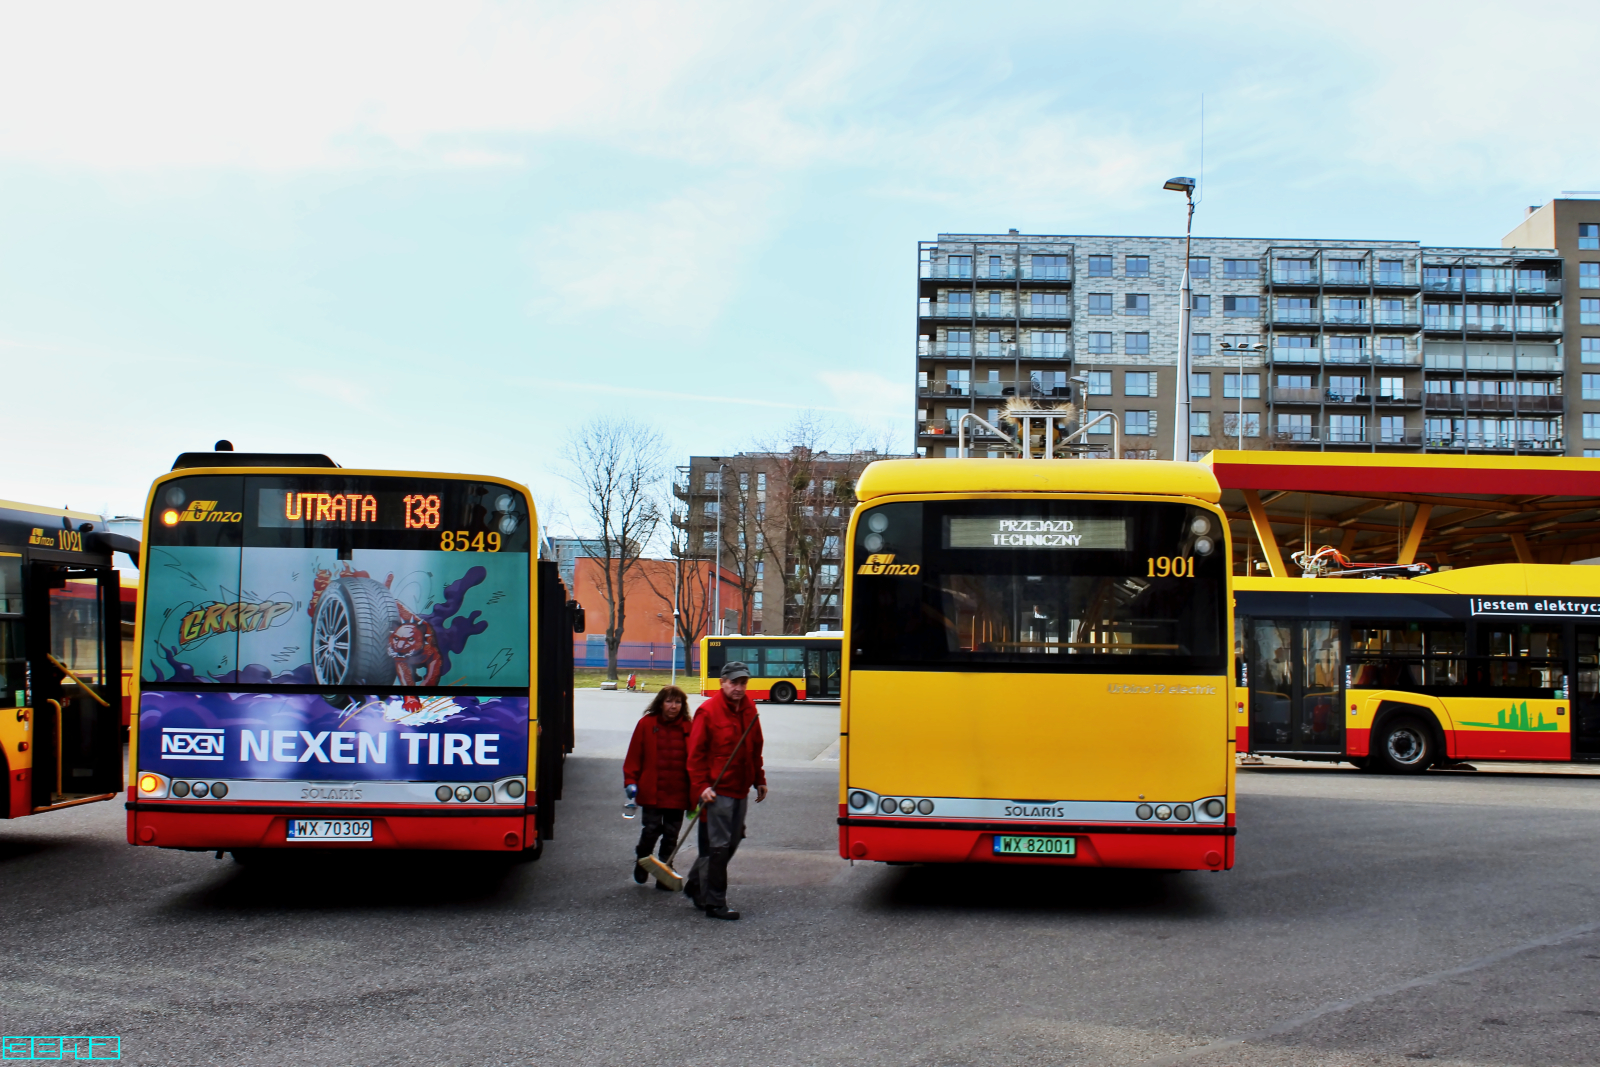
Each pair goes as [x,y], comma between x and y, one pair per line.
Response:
[782,669]
[346,658]
[1036,666]
[61,706]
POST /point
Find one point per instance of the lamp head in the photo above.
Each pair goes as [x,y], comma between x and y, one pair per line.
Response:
[1180,185]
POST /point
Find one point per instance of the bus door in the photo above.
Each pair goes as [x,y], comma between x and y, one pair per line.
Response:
[74,651]
[1296,686]
[1585,696]
[822,672]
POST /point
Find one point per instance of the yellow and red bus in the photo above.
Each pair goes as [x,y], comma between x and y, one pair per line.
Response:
[335,658]
[61,714]
[1037,665]
[1498,662]
[782,669]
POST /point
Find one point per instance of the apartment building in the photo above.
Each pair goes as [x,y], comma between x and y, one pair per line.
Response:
[1342,345]
[780,519]
[1572,227]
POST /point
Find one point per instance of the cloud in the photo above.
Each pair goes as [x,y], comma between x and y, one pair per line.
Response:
[866,394]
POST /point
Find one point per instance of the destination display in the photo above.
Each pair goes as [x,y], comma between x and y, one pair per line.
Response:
[990,531]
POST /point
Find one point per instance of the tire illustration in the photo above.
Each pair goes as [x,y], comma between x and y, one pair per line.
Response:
[782,693]
[1404,745]
[350,634]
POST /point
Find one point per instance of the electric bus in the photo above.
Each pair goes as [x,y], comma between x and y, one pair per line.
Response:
[782,669]
[1036,665]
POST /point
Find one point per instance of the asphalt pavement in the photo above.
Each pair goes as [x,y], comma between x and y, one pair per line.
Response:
[1453,918]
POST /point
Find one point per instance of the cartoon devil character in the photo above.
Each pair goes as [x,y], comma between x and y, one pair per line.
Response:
[415,651]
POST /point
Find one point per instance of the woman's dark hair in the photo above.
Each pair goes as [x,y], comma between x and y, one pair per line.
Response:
[661,699]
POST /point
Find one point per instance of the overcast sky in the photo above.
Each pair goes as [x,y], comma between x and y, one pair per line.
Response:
[440,237]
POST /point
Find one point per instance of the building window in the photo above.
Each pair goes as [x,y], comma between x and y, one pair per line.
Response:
[1099,303]
[1099,383]
[1350,429]
[1241,268]
[1136,383]
[1294,381]
[994,303]
[1200,268]
[1138,266]
[1199,424]
[1200,344]
[1139,303]
[997,267]
[1241,307]
[1294,427]
[1050,344]
[958,344]
[1391,350]
[1589,312]
[1099,266]
[755,600]
[1391,388]
[1589,275]
[1252,386]
[1202,306]
[1391,271]
[1589,235]
[1591,386]
[1104,425]
[1052,267]
[1589,350]
[1391,430]
[1199,385]
[1099,343]
[1591,425]
[1137,423]
[761,483]
[1251,424]
[1136,344]
[960,266]
[1051,304]
[710,484]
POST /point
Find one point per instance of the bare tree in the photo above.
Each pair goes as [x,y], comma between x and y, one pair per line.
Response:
[691,591]
[618,465]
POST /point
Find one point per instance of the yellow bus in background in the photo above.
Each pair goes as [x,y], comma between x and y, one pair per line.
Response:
[782,669]
[1037,665]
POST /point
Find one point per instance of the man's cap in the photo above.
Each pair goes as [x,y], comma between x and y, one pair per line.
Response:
[733,670]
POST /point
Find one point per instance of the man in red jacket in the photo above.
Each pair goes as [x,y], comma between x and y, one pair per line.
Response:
[726,734]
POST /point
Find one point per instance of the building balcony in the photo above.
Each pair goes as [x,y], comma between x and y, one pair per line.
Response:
[1006,272]
[1395,279]
[1045,312]
[1494,443]
[1345,357]
[1334,397]
[1495,404]
[1520,286]
[1319,436]
[992,350]
[1488,324]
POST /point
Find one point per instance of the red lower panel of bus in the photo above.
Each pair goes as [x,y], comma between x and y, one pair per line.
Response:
[20,799]
[1094,848]
[220,830]
[1242,737]
[1510,744]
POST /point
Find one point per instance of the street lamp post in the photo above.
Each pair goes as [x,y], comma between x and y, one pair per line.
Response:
[1180,432]
[1238,428]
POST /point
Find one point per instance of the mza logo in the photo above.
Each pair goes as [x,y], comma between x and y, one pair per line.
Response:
[191,743]
[206,511]
[883,563]
[65,540]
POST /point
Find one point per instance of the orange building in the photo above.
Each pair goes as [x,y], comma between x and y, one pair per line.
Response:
[647,635]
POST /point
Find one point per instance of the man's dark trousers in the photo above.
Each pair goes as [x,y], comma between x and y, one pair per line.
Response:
[721,827]
[663,823]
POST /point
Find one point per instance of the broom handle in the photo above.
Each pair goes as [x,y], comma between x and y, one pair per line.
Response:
[725,765]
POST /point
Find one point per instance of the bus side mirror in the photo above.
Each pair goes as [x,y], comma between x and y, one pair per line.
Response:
[575,613]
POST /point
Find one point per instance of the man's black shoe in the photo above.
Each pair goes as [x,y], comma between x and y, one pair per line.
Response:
[721,911]
[639,873]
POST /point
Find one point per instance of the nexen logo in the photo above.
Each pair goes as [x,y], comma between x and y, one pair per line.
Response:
[206,511]
[185,743]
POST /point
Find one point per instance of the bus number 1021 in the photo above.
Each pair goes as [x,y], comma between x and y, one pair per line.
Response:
[422,512]
[1171,567]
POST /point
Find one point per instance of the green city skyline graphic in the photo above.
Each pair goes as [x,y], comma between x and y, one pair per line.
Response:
[1516,718]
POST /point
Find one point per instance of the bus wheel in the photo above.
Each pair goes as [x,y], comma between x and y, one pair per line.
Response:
[350,635]
[783,693]
[1404,746]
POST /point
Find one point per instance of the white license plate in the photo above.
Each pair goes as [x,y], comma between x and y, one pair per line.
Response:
[330,829]
[1005,845]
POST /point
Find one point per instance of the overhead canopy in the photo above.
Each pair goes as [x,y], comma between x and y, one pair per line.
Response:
[1448,511]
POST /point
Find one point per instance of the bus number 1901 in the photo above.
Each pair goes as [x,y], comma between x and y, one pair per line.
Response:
[1171,567]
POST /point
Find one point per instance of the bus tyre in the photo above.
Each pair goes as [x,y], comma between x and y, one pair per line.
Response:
[350,635]
[1404,745]
[783,693]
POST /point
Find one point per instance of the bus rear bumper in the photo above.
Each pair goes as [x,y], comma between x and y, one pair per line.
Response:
[1197,848]
[222,830]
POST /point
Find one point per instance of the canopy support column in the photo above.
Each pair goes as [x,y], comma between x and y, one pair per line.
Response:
[1408,554]
[1264,534]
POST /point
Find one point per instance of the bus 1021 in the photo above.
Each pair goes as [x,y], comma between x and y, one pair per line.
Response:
[346,658]
[1036,666]
[782,669]
[1497,662]
[61,698]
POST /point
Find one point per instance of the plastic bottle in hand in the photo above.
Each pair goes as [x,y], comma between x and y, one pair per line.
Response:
[631,808]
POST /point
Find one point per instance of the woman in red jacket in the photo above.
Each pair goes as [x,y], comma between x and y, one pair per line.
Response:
[656,773]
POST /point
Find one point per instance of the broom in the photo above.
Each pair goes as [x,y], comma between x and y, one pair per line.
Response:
[662,869]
